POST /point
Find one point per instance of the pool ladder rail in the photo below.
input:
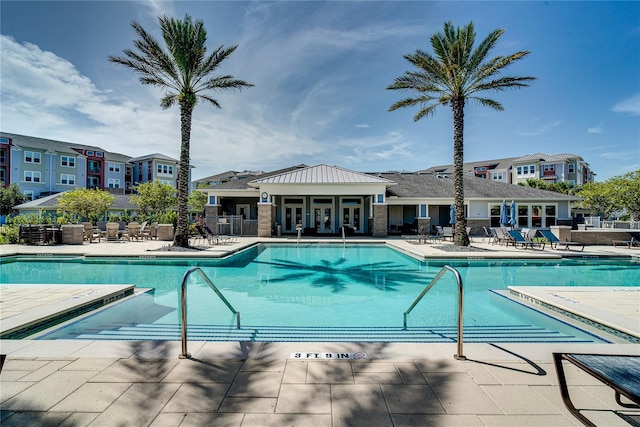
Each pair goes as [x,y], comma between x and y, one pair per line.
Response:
[443,270]
[183,306]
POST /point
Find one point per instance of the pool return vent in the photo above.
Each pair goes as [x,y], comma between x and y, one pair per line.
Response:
[183,306]
[458,355]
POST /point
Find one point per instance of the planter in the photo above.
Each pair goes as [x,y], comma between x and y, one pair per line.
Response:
[165,232]
[72,234]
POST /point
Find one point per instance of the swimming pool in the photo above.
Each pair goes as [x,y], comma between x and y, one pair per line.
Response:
[316,292]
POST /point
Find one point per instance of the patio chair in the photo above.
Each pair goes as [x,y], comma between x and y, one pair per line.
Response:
[519,240]
[447,233]
[151,232]
[132,231]
[490,234]
[554,241]
[91,234]
[620,372]
[113,232]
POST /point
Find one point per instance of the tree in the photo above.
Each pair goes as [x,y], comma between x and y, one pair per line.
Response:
[197,200]
[184,73]
[10,197]
[457,73]
[154,197]
[84,203]
[628,192]
[599,197]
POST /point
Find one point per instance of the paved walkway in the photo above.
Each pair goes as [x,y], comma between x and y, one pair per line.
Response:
[122,383]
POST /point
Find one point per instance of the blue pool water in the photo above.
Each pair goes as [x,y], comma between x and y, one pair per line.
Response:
[320,286]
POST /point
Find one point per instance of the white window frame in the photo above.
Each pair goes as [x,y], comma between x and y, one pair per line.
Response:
[164,169]
[113,183]
[525,170]
[571,168]
[497,176]
[69,178]
[550,168]
[28,194]
[34,157]
[164,181]
[113,167]
[69,160]
[34,176]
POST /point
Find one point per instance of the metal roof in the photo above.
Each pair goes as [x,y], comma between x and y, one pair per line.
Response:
[321,174]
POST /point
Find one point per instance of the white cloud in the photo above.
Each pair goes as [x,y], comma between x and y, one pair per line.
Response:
[630,106]
[596,129]
[542,130]
[362,125]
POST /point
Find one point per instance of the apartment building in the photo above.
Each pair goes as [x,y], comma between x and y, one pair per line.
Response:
[551,168]
[42,167]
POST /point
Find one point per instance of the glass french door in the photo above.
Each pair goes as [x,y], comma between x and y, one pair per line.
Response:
[292,217]
[351,214]
[351,217]
[322,219]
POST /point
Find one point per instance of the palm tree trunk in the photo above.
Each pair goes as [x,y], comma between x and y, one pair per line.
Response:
[181,238]
[461,237]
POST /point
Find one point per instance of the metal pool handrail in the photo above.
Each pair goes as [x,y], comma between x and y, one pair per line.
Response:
[444,269]
[183,306]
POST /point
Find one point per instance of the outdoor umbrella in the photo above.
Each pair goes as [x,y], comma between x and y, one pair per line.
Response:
[452,214]
[512,220]
[504,214]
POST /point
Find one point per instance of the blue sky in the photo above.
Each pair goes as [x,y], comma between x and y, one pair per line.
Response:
[320,71]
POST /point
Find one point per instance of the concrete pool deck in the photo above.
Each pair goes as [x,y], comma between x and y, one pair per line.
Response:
[259,384]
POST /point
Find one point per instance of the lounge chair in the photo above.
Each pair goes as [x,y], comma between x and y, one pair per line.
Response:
[204,235]
[554,241]
[447,233]
[519,240]
[620,372]
[634,241]
[502,237]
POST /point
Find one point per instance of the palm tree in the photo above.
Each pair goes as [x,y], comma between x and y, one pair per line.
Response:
[456,73]
[184,73]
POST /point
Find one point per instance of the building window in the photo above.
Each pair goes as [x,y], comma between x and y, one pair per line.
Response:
[32,176]
[113,167]
[497,176]
[32,157]
[572,167]
[3,176]
[113,183]
[212,200]
[527,170]
[68,161]
[164,181]
[3,155]
[549,168]
[89,152]
[67,179]
[93,166]
[164,169]
[28,194]
[99,154]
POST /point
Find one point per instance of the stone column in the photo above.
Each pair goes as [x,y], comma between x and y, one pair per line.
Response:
[265,219]
[379,221]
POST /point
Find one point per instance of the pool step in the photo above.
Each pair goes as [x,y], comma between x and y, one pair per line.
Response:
[440,334]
